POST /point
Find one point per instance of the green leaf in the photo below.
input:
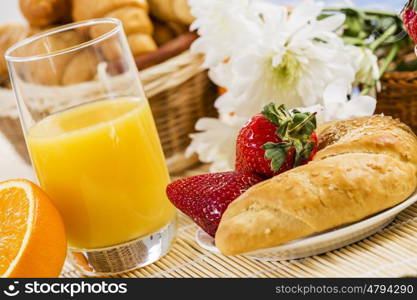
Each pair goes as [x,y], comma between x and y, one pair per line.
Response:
[298,152]
[308,148]
[268,146]
[282,131]
[277,153]
[303,153]
[271,113]
[299,118]
[294,129]
[304,125]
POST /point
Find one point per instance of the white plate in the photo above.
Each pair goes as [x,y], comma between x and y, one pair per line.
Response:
[322,242]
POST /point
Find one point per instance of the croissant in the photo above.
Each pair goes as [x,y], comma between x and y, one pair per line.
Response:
[9,35]
[162,33]
[69,68]
[132,13]
[41,13]
[177,11]
[365,166]
[81,67]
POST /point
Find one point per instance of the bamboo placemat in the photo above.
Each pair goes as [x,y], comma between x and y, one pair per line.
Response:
[392,252]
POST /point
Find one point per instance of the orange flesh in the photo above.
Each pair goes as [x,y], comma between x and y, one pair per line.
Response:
[14,215]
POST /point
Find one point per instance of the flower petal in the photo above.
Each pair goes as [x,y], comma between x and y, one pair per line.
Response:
[306,12]
[331,23]
[362,106]
[216,142]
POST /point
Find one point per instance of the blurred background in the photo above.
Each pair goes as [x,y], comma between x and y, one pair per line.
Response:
[395,5]
[180,92]
[10,12]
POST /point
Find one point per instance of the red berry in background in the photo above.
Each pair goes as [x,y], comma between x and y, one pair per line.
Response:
[204,198]
[409,16]
[276,141]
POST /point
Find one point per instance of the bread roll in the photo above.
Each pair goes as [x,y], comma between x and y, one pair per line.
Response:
[10,34]
[42,13]
[162,33]
[87,9]
[132,13]
[81,67]
[50,71]
[178,28]
[171,11]
[141,43]
[364,166]
[71,68]
[134,20]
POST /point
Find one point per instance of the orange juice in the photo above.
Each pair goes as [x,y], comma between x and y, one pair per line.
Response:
[103,166]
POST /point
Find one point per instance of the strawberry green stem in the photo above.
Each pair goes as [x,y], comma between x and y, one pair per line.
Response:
[302,124]
[411,3]
[294,130]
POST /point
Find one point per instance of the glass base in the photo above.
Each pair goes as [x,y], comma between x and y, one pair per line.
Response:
[124,257]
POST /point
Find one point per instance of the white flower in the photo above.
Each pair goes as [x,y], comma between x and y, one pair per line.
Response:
[365,63]
[292,62]
[337,106]
[216,143]
[263,53]
[226,26]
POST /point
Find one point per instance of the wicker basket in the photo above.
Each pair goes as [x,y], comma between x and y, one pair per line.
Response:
[398,97]
[179,92]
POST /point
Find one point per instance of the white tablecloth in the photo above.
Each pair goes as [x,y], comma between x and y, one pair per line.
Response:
[11,165]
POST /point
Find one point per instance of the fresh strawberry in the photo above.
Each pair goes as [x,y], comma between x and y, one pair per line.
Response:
[315,140]
[409,16]
[250,155]
[204,198]
[275,141]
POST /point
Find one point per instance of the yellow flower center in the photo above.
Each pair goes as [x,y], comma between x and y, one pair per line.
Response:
[288,72]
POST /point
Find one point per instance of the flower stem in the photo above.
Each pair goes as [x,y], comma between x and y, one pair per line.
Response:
[390,31]
[366,11]
[390,58]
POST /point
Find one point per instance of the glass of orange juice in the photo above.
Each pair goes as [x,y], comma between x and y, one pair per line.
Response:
[93,144]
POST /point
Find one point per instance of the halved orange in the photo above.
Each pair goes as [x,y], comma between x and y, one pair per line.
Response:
[32,235]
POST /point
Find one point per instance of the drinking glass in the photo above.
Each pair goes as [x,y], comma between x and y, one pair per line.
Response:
[93,144]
